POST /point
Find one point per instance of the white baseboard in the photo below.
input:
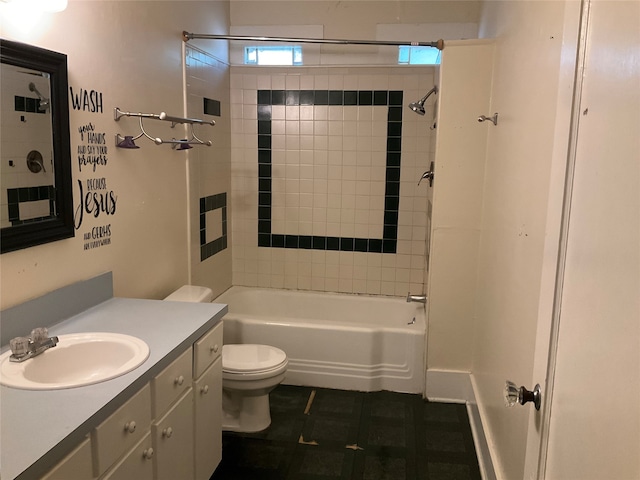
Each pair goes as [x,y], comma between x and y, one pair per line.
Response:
[456,387]
[449,386]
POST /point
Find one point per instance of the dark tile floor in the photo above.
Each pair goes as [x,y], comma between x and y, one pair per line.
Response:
[353,435]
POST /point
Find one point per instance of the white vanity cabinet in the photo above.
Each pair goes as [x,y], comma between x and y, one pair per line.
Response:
[172,382]
[138,463]
[173,440]
[207,391]
[75,466]
[121,431]
[170,429]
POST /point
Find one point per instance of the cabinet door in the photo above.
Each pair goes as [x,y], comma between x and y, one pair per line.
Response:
[75,466]
[172,382]
[122,430]
[208,421]
[206,350]
[137,464]
[173,441]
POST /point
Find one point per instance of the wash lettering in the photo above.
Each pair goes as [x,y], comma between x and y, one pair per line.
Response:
[86,100]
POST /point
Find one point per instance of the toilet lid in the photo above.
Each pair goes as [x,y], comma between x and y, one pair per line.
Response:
[251,358]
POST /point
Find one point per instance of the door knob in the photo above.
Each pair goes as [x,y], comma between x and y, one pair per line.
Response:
[513,395]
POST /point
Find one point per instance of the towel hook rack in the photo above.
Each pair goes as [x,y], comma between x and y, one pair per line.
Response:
[128,141]
[493,119]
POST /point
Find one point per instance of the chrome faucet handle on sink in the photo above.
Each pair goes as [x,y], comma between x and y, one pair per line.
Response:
[23,348]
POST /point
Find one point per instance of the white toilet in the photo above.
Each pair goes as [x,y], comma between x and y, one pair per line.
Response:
[249,373]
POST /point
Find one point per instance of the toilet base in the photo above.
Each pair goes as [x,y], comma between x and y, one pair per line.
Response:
[245,413]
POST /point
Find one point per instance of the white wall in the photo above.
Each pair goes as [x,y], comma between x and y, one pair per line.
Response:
[207,76]
[410,21]
[461,143]
[531,94]
[353,272]
[595,414]
[131,53]
[329,166]
[353,19]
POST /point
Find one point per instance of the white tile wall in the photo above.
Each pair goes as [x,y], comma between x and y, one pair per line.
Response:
[328,178]
[210,167]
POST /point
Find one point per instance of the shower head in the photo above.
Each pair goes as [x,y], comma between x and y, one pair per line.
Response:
[418,106]
[44,102]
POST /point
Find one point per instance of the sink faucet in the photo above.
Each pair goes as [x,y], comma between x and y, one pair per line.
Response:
[416,298]
[23,348]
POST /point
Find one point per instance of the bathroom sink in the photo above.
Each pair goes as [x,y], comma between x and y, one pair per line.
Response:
[79,359]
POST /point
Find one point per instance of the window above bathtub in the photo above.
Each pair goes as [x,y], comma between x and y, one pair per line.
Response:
[423,32]
[273,55]
[411,55]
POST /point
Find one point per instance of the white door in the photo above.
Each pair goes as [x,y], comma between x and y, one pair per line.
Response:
[595,409]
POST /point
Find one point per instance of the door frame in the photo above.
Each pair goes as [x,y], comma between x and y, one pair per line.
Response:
[558,218]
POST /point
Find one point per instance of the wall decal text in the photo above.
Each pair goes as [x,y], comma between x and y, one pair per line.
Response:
[86,100]
[96,199]
[94,152]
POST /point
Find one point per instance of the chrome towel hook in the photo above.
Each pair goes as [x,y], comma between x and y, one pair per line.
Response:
[493,119]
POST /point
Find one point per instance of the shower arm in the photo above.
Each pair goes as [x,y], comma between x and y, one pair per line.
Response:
[44,101]
[33,88]
[429,93]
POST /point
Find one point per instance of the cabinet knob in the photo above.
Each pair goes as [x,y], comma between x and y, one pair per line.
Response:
[204,390]
[214,348]
[147,454]
[179,380]
[130,426]
[167,432]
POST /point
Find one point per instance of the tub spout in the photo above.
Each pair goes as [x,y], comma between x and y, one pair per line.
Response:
[416,298]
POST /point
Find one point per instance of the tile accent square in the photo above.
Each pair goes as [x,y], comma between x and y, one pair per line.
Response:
[210,243]
[267,99]
[211,107]
[21,202]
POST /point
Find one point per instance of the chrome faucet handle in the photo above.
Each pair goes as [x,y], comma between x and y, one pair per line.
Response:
[19,346]
[429,175]
[24,348]
[39,335]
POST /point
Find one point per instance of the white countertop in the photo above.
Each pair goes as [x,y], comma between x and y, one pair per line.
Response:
[37,428]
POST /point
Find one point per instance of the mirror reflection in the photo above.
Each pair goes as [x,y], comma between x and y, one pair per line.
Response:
[36,199]
[27,173]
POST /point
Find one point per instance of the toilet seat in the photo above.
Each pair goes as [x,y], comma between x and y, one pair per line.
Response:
[248,359]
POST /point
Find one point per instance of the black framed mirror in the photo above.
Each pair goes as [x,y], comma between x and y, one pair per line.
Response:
[37,206]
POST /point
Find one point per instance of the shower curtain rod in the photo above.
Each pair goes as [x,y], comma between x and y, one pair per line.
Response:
[186,36]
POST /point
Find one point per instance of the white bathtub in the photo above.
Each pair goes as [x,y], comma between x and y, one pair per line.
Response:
[348,342]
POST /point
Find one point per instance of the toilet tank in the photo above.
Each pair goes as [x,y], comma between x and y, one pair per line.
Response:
[191,293]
